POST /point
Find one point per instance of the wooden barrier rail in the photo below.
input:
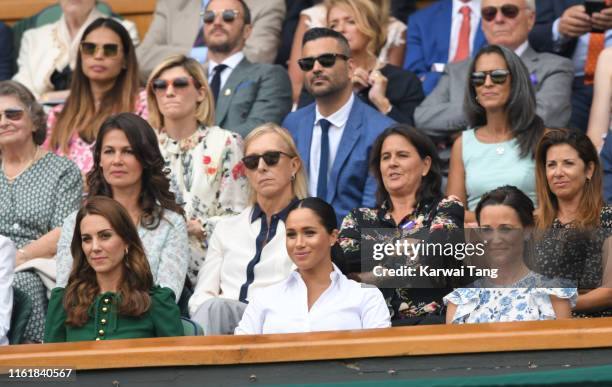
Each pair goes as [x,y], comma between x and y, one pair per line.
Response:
[404,341]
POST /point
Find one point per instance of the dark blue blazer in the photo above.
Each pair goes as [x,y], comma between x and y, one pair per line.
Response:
[350,184]
[540,37]
[606,163]
[6,52]
[428,41]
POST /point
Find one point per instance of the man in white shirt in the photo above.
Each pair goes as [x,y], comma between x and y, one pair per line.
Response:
[7,264]
[441,114]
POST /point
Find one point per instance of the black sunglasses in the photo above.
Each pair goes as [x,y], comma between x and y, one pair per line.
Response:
[498,77]
[271,158]
[160,85]
[228,15]
[326,60]
[108,49]
[13,114]
[508,10]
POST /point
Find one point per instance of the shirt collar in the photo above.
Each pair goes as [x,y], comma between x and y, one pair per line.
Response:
[473,4]
[258,212]
[520,50]
[232,61]
[340,116]
[335,275]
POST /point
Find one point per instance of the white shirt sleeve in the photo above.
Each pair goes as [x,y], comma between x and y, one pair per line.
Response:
[374,310]
[252,320]
[7,264]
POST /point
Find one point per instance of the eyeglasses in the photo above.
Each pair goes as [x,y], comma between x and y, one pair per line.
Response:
[498,77]
[12,114]
[160,85]
[228,15]
[271,158]
[508,10]
[326,60]
[108,50]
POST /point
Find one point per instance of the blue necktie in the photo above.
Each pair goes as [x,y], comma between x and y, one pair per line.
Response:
[324,159]
[215,83]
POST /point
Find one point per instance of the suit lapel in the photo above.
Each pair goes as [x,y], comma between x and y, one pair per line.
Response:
[445,12]
[351,134]
[226,93]
[304,136]
[479,40]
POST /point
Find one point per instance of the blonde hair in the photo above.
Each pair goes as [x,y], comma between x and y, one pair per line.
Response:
[299,185]
[371,17]
[205,110]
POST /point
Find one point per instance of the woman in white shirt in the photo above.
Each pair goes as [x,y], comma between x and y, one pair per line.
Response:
[316,296]
[247,251]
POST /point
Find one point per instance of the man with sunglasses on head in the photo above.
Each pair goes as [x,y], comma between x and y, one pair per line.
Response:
[334,134]
[506,23]
[177,29]
[578,30]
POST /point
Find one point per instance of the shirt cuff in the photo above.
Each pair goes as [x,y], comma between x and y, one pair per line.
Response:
[557,37]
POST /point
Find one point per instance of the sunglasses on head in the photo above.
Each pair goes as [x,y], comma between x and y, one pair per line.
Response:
[108,49]
[271,158]
[508,10]
[228,15]
[160,85]
[498,77]
[326,60]
[12,114]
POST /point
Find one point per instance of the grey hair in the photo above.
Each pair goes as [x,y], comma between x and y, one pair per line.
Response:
[520,108]
[32,107]
[531,4]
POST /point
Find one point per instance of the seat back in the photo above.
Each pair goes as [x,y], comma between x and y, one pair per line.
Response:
[22,309]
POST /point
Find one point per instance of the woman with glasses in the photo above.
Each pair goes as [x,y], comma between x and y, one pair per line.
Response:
[514,292]
[48,54]
[247,251]
[38,189]
[204,160]
[500,107]
[105,82]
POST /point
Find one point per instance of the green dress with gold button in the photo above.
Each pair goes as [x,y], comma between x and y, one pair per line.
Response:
[105,323]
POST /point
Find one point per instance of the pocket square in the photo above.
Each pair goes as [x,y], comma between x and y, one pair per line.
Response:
[243,84]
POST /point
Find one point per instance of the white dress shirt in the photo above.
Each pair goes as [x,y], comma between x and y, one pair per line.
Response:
[231,62]
[233,245]
[7,264]
[338,122]
[457,20]
[344,305]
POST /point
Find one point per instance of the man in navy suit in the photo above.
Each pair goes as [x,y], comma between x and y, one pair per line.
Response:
[563,27]
[334,134]
[434,38]
[6,48]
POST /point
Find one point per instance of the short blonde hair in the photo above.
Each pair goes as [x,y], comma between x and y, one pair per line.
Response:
[299,184]
[205,111]
[372,20]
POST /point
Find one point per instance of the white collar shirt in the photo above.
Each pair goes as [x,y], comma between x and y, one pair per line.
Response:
[344,305]
[7,262]
[457,19]
[338,122]
[231,62]
[520,50]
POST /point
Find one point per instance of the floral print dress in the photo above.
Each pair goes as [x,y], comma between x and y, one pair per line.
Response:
[428,217]
[208,177]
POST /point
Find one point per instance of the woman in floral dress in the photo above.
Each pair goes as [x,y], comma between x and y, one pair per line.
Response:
[406,166]
[204,160]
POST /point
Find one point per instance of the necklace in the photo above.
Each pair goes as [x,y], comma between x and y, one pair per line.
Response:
[500,148]
[28,165]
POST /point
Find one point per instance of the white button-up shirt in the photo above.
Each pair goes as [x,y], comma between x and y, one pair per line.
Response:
[7,264]
[231,63]
[344,305]
[338,122]
[457,20]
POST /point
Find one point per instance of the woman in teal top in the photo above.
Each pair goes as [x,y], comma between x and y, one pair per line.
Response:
[110,293]
[500,105]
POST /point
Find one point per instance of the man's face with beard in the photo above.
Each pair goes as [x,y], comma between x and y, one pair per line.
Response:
[325,81]
[226,37]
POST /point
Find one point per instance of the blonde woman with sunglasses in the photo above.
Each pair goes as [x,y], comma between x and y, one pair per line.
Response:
[204,160]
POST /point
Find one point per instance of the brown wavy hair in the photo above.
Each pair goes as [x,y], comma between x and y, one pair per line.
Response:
[592,200]
[155,195]
[137,279]
[80,112]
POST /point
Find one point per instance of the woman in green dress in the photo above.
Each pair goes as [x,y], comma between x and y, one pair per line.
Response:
[110,293]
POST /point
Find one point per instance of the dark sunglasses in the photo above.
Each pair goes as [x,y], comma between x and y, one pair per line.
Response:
[13,114]
[508,10]
[498,77]
[160,85]
[271,158]
[326,60]
[108,49]
[228,15]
